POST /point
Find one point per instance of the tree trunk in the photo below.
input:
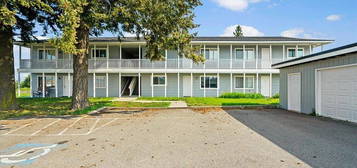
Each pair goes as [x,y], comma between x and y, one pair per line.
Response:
[80,70]
[7,72]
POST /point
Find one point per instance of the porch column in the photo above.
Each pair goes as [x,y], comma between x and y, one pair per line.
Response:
[20,54]
[56,54]
[178,84]
[231,82]
[31,91]
[139,85]
[257,83]
[243,82]
[218,56]
[165,59]
[106,85]
[204,84]
[18,83]
[244,55]
[165,84]
[95,56]
[93,84]
[284,56]
[191,84]
[139,56]
[271,54]
[107,55]
[69,85]
[56,86]
[152,84]
[217,84]
[43,85]
[119,84]
[231,56]
[120,55]
[204,55]
[256,56]
[271,85]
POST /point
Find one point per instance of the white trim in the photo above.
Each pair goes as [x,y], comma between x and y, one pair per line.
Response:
[56,86]
[244,53]
[43,84]
[31,91]
[214,49]
[205,76]
[289,74]
[178,84]
[139,85]
[98,77]
[106,85]
[191,84]
[165,85]
[119,84]
[318,57]
[231,80]
[164,76]
[94,87]
[152,86]
[246,76]
[95,53]
[296,53]
[217,84]
[270,85]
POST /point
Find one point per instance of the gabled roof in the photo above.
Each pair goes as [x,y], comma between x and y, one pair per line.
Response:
[350,48]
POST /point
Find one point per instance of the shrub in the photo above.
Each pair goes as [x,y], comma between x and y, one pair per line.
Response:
[242,95]
[276,96]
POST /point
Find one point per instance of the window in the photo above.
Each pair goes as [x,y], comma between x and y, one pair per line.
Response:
[100,82]
[46,54]
[292,52]
[210,81]
[99,53]
[249,82]
[49,82]
[211,53]
[158,80]
[249,53]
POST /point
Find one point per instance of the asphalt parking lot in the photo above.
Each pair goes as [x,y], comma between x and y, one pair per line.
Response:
[177,138]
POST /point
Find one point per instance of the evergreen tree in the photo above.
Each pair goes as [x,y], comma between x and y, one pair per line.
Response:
[238,31]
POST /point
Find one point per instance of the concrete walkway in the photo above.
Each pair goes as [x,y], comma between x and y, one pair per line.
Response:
[134,99]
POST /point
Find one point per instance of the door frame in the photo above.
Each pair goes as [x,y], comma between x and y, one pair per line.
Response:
[318,84]
[261,84]
[268,58]
[183,83]
[291,74]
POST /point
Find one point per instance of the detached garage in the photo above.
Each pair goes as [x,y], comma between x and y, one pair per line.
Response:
[324,83]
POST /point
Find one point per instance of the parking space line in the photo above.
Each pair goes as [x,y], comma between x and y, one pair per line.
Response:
[106,124]
[63,131]
[93,126]
[17,129]
[45,127]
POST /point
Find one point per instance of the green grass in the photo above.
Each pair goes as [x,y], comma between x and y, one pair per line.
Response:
[242,95]
[61,106]
[212,101]
[25,92]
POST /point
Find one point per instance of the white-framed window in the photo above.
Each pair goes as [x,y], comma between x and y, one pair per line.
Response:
[49,82]
[249,53]
[210,53]
[292,52]
[47,54]
[99,53]
[158,80]
[209,83]
[100,82]
[239,80]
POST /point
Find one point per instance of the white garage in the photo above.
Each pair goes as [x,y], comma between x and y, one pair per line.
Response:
[323,83]
[337,92]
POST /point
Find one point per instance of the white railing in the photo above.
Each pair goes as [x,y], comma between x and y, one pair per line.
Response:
[147,64]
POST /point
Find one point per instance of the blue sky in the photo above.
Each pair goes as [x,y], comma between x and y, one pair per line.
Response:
[326,19]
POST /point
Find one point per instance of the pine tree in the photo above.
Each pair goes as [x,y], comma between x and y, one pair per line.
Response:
[238,32]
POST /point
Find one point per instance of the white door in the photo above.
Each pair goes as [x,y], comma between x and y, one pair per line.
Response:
[337,93]
[67,86]
[294,92]
[265,85]
[266,58]
[186,86]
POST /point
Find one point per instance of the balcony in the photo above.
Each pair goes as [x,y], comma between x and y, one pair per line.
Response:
[147,64]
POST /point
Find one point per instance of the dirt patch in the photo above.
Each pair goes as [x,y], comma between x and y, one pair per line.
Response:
[205,110]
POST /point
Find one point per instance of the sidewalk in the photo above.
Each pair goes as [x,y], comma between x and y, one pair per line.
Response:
[134,99]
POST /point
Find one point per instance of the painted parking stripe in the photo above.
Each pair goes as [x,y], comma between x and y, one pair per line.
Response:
[106,124]
[23,126]
[69,126]
[93,126]
[45,127]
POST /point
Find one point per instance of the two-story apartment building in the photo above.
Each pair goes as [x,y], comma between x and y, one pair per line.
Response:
[119,68]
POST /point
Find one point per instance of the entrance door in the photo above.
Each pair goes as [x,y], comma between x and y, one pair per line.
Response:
[265,85]
[67,86]
[186,86]
[266,63]
[294,92]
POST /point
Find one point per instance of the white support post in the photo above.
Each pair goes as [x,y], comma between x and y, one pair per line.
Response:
[204,84]
[165,59]
[69,85]
[152,85]
[139,85]
[191,60]
[139,56]
[18,83]
[56,54]
[244,83]
[106,85]
[296,50]
[217,84]
[231,55]
[257,83]
[310,49]
[178,84]
[56,86]
[94,84]
[204,55]
[256,56]
[120,55]
[271,85]
[231,82]
[43,85]
[95,56]
[191,84]
[107,56]
[165,84]
[20,54]
[218,56]
[178,58]
[271,55]
[284,56]
[244,55]
[31,91]
[119,84]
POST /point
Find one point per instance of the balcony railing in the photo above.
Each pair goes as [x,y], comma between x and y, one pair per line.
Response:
[147,64]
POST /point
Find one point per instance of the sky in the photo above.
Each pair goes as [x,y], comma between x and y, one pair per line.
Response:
[322,19]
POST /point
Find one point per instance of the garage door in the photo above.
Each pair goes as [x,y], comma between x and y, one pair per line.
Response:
[338,93]
[294,92]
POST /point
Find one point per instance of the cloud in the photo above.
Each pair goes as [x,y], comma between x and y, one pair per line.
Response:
[296,32]
[247,31]
[236,5]
[333,18]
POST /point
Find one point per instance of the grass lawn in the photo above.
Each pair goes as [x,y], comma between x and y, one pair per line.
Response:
[212,101]
[25,92]
[61,106]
